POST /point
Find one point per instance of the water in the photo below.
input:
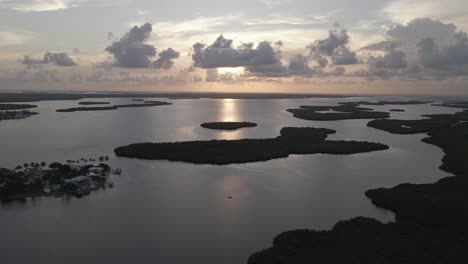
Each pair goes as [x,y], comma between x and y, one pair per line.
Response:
[173,212]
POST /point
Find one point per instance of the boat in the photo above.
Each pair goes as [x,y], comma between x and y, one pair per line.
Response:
[110,184]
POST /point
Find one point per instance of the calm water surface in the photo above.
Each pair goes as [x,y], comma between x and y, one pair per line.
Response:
[173,212]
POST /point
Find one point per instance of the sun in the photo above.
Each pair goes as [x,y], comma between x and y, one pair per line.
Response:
[231,70]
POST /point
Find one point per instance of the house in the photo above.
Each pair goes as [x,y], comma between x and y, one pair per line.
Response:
[52,188]
[95,169]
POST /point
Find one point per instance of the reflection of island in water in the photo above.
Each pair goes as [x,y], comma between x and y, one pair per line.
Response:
[35,179]
[291,141]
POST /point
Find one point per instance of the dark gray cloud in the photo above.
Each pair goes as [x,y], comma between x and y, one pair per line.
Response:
[221,53]
[334,48]
[299,65]
[165,60]
[59,59]
[452,57]
[392,59]
[428,49]
[419,29]
[132,52]
[392,63]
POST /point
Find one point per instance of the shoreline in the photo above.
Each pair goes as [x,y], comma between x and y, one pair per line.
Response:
[20,197]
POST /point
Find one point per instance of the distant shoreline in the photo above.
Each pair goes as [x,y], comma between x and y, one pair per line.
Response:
[37,97]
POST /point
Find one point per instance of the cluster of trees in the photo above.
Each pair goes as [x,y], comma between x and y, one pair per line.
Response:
[291,141]
[32,165]
[83,160]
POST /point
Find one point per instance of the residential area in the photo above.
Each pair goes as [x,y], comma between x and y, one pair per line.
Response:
[38,179]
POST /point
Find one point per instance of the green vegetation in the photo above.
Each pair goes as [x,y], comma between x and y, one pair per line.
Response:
[433,122]
[220,152]
[340,112]
[146,104]
[4,107]
[412,102]
[114,107]
[454,104]
[93,103]
[93,108]
[36,180]
[365,241]
[227,125]
[11,115]
[443,204]
[432,219]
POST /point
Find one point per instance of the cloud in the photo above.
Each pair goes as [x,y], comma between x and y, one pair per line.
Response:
[335,47]
[132,52]
[403,11]
[452,57]
[165,60]
[427,49]
[59,59]
[221,53]
[391,64]
[299,65]
[49,5]
[393,59]
[419,29]
[12,38]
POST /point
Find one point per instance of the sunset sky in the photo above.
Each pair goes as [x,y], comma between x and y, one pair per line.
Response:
[287,46]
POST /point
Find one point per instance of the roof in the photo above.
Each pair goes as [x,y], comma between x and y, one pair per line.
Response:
[79,179]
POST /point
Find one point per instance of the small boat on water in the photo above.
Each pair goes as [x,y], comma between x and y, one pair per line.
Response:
[117,171]
[110,184]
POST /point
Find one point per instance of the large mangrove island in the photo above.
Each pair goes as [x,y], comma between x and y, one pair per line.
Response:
[292,140]
[432,219]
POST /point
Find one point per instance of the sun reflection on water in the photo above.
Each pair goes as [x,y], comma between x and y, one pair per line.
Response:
[229,110]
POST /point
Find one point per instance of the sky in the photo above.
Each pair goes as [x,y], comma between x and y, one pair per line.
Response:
[284,46]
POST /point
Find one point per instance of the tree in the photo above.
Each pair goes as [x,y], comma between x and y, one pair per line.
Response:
[26,165]
[107,158]
[55,165]
[43,164]
[101,158]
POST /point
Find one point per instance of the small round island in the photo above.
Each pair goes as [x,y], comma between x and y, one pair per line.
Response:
[227,125]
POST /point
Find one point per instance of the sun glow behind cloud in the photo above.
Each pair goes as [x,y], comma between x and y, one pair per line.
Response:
[229,70]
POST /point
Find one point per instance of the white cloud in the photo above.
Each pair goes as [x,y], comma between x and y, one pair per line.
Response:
[274,3]
[403,11]
[48,5]
[11,38]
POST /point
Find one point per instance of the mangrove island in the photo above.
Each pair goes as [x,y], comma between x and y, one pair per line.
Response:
[292,140]
[227,125]
[342,111]
[431,219]
[114,107]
